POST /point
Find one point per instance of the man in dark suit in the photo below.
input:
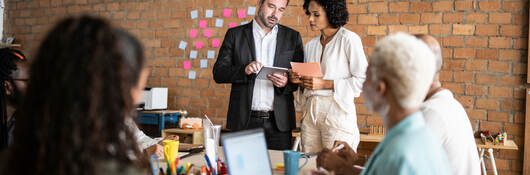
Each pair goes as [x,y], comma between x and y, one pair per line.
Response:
[257,103]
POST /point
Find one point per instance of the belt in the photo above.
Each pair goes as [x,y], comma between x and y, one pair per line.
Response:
[262,114]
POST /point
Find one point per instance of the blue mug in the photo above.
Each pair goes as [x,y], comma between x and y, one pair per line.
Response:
[291,161]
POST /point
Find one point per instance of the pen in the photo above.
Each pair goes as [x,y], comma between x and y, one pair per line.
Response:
[209,164]
[162,171]
[338,148]
[153,168]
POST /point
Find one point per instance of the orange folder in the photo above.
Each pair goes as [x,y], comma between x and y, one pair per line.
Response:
[311,69]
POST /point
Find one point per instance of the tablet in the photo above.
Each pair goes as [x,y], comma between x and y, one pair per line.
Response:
[266,70]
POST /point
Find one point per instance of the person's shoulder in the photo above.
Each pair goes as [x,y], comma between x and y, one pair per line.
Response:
[238,29]
[348,34]
[287,29]
[113,167]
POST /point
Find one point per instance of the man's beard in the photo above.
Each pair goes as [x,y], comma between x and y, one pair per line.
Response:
[379,106]
[263,19]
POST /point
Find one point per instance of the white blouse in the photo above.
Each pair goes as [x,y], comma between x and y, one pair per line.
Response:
[344,62]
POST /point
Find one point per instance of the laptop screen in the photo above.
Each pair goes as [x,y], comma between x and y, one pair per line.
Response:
[246,153]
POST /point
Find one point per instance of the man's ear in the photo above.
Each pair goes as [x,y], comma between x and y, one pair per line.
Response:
[381,88]
[9,88]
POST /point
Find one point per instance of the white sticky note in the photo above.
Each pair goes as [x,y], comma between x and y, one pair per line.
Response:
[183,45]
[204,63]
[194,14]
[209,13]
[244,22]
[193,54]
[211,54]
[219,22]
[191,75]
[251,10]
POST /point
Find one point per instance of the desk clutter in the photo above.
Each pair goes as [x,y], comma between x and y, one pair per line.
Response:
[488,138]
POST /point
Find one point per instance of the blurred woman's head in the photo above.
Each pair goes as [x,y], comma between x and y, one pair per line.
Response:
[324,14]
[81,91]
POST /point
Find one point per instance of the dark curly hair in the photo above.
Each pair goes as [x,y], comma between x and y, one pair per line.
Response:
[78,99]
[336,11]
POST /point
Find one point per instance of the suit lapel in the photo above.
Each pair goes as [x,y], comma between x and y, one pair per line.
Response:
[279,44]
[250,41]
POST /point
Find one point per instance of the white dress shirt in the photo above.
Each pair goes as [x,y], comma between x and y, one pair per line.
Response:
[344,62]
[265,47]
[448,120]
[143,140]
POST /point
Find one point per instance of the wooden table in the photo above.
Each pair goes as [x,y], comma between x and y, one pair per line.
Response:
[197,136]
[275,157]
[158,117]
[508,145]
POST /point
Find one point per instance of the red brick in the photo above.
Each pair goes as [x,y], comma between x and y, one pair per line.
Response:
[436,29]
[377,7]
[520,19]
[398,6]
[489,5]
[519,68]
[420,7]
[423,29]
[442,6]
[476,90]
[487,103]
[500,18]
[389,19]
[512,105]
[367,19]
[498,66]
[445,76]
[511,30]
[511,55]
[486,29]
[464,5]
[453,18]
[511,6]
[463,29]
[453,64]
[463,76]
[493,127]
[476,65]
[498,116]
[476,17]
[464,52]
[431,18]
[490,54]
[500,42]
[455,41]
[454,87]
[357,8]
[377,30]
[520,43]
[486,79]
[476,42]
[514,129]
[505,92]
[466,101]
[409,18]
[476,114]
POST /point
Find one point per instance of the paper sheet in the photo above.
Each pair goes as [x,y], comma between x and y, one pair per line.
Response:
[311,69]
[194,14]
[211,54]
[218,22]
[209,13]
[193,54]
[183,45]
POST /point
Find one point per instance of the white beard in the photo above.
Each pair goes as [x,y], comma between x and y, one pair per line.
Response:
[379,106]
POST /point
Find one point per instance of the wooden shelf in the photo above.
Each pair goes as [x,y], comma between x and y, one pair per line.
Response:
[10,45]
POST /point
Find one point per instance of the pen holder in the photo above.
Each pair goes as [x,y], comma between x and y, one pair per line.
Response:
[291,161]
[171,150]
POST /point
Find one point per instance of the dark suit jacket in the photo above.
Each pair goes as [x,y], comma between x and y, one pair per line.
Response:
[236,52]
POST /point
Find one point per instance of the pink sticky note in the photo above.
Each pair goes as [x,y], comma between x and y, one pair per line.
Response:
[207,33]
[202,24]
[198,44]
[242,13]
[216,43]
[227,12]
[232,25]
[187,65]
[193,33]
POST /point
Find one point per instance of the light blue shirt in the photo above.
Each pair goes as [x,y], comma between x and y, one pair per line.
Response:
[408,148]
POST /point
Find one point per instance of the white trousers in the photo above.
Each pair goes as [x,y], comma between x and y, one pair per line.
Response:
[323,122]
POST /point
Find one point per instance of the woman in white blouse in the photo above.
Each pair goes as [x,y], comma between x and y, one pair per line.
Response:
[328,102]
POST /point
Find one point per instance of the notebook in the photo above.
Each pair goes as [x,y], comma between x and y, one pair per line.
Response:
[246,153]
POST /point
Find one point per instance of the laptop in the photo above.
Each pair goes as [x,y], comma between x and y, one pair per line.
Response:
[246,152]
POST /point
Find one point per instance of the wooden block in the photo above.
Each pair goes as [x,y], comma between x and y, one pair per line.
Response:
[191,136]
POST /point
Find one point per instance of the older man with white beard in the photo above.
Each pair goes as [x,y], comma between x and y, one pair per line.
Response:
[398,77]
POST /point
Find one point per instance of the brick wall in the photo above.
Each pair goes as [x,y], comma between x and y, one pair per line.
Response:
[484,49]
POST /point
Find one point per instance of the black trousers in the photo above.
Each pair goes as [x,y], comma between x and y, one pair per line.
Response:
[276,139]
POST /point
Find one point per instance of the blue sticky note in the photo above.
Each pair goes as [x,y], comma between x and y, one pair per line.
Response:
[191,75]
[183,45]
[251,10]
[194,14]
[244,22]
[209,13]
[219,22]
[211,54]
[204,63]
[193,54]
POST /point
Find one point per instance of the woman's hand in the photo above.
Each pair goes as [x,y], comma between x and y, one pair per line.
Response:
[294,77]
[315,83]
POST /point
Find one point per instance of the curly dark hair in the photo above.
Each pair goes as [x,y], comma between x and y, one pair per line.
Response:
[78,99]
[336,11]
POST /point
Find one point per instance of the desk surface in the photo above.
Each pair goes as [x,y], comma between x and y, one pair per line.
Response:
[509,145]
[274,156]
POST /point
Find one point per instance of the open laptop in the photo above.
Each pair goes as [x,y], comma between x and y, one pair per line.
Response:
[246,153]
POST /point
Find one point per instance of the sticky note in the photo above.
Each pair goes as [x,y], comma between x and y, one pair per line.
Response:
[194,14]
[207,33]
[219,22]
[241,13]
[251,10]
[244,22]
[227,12]
[193,33]
[209,13]
[211,54]
[204,63]
[202,24]
[198,44]
[183,45]
[191,75]
[193,54]
[187,65]
[216,43]
[232,25]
